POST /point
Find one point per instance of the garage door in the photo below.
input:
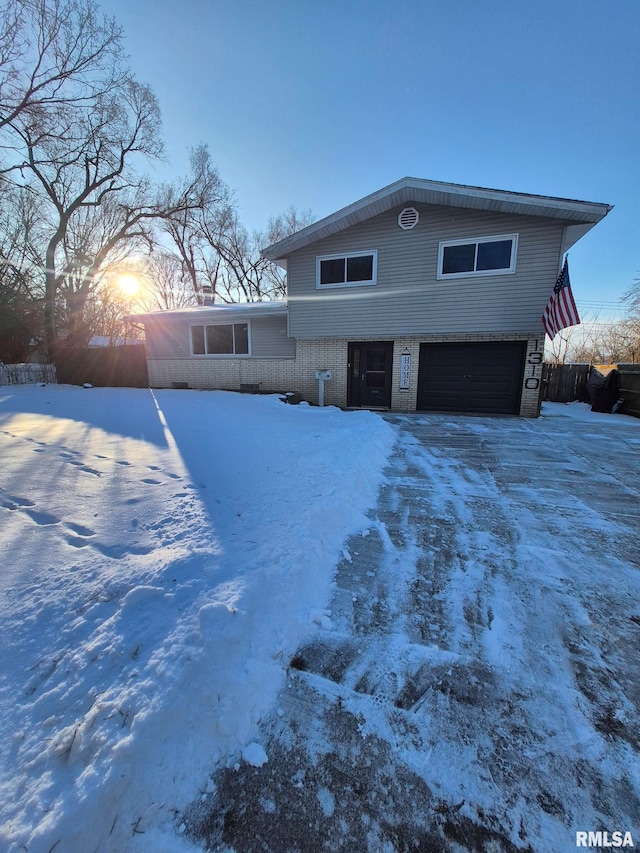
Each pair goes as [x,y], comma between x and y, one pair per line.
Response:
[479,377]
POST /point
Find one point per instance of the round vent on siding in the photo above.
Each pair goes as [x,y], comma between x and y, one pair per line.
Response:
[408,219]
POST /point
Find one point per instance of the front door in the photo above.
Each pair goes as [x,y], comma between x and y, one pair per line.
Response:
[370,365]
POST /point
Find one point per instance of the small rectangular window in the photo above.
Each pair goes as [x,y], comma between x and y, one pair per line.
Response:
[459,258]
[241,338]
[360,268]
[197,338]
[484,256]
[354,269]
[495,255]
[332,271]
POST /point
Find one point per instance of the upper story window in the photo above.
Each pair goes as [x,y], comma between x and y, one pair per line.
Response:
[220,339]
[350,270]
[484,256]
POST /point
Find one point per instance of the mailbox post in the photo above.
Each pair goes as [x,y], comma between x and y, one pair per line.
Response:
[322,376]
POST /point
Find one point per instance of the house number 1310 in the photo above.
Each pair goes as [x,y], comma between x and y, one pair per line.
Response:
[532,382]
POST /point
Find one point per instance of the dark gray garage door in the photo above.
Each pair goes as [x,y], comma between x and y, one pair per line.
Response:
[478,377]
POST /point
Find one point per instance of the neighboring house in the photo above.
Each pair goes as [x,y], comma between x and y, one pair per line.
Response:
[421,296]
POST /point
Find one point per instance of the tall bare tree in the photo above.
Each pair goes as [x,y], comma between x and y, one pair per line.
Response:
[76,131]
[56,56]
[218,251]
[165,284]
[187,228]
[21,287]
[79,129]
[632,300]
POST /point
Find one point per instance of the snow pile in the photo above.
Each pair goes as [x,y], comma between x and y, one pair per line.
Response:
[164,555]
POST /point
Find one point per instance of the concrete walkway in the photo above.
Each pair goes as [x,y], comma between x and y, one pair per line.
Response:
[479,687]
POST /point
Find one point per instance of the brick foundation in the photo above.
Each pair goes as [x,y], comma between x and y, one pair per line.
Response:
[288,374]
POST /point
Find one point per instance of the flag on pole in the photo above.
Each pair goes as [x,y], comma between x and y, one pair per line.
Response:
[561,309]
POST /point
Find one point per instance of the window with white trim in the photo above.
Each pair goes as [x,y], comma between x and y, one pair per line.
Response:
[347,270]
[482,256]
[220,339]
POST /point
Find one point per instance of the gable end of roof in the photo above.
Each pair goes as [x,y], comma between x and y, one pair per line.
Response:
[419,190]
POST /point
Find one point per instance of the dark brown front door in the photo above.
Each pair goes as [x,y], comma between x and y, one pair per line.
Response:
[370,366]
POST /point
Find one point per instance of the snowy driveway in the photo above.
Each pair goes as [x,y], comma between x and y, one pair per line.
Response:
[477,687]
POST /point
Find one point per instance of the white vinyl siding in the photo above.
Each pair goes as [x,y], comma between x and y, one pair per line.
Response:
[170,337]
[353,269]
[409,299]
[269,338]
[476,257]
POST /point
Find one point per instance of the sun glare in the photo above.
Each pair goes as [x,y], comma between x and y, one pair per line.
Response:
[128,284]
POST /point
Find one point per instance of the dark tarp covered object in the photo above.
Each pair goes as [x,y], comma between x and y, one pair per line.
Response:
[602,387]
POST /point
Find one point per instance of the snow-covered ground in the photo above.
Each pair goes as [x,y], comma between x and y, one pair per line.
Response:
[479,687]
[163,555]
[230,621]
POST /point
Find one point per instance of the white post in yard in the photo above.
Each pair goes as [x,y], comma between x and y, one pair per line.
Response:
[322,376]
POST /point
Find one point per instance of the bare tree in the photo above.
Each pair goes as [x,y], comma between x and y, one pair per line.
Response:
[56,57]
[88,166]
[77,128]
[632,300]
[164,283]
[188,228]
[218,251]
[599,342]
[620,340]
[106,312]
[21,292]
[94,199]
[245,274]
[570,344]
[279,227]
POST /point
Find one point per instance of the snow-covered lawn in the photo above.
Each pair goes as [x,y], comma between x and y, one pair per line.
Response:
[163,556]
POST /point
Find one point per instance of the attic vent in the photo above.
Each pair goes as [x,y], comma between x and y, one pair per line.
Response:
[408,219]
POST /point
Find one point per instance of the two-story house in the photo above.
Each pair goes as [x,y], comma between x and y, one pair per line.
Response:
[422,296]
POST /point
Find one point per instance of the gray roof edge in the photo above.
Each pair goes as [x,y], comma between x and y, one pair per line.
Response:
[237,309]
[272,252]
[552,206]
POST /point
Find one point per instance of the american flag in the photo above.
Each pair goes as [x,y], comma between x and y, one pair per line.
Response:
[561,309]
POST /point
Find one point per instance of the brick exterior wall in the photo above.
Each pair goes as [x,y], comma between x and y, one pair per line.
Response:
[225,374]
[532,383]
[281,374]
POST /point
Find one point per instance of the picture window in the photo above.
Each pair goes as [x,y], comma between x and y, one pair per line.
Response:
[220,339]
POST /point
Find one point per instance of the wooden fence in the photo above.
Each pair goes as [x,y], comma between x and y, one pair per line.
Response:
[564,383]
[25,374]
[124,366]
[629,389]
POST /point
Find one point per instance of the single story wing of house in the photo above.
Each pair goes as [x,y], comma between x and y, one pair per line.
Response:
[423,296]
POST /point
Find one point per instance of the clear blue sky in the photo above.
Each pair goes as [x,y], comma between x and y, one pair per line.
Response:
[317,103]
